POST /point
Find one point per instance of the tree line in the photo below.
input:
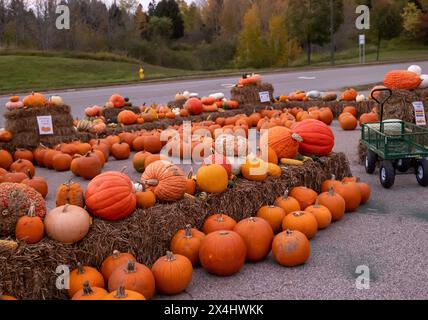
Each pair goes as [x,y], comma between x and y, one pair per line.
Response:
[209,34]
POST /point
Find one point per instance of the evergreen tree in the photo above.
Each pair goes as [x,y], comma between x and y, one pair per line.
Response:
[171,10]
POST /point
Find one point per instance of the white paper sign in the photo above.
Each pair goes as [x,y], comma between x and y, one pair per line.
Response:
[45,125]
[264,96]
[362,39]
[419,113]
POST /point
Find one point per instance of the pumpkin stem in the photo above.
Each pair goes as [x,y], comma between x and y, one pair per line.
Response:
[31,210]
[331,191]
[298,213]
[87,290]
[116,254]
[121,293]
[288,232]
[130,268]
[317,204]
[188,231]
[252,219]
[65,208]
[30,176]
[170,256]
[333,177]
[80,268]
[220,218]
[286,194]
[152,182]
[223,233]
[297,137]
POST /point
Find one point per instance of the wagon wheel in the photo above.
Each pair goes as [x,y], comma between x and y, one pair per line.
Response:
[387,174]
[403,165]
[422,172]
[370,162]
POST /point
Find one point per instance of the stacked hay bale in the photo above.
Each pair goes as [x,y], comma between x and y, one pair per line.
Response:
[249,95]
[24,126]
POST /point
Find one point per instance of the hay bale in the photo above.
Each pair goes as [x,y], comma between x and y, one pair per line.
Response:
[335,106]
[29,272]
[249,95]
[23,124]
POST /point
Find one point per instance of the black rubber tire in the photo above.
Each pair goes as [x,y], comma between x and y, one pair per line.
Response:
[422,173]
[387,174]
[370,161]
[403,165]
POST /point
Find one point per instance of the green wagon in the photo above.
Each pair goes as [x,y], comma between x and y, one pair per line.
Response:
[397,145]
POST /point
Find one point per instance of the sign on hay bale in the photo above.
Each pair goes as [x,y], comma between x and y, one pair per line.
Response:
[25,128]
[29,271]
[250,95]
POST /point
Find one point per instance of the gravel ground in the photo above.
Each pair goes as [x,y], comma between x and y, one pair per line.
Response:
[389,235]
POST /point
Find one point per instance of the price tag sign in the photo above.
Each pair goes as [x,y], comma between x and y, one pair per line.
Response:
[420,113]
[45,125]
[362,39]
[264,96]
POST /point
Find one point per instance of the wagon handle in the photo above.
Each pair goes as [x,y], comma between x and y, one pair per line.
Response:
[381,103]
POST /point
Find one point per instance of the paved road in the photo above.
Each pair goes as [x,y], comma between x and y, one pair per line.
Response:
[326,79]
[389,235]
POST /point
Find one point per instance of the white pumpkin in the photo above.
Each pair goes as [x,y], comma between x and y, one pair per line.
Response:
[186,94]
[193,95]
[217,96]
[361,98]
[313,95]
[424,83]
[416,69]
[56,101]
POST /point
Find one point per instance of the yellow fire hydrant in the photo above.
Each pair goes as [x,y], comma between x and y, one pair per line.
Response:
[141,73]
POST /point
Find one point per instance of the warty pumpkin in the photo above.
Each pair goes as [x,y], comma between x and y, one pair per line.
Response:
[165,180]
[173,273]
[187,242]
[318,139]
[402,79]
[290,248]
[135,277]
[110,196]
[222,253]
[257,235]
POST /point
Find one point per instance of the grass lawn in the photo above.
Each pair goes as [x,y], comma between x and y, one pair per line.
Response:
[22,72]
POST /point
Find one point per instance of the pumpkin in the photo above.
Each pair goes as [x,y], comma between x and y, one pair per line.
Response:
[190,183]
[84,274]
[212,178]
[302,221]
[39,154]
[69,193]
[37,183]
[88,166]
[368,118]
[334,202]
[133,276]
[327,184]
[365,191]
[282,141]
[347,121]
[218,222]
[127,137]
[326,115]
[290,248]
[48,158]
[24,166]
[351,194]
[273,215]
[153,158]
[82,148]
[321,213]
[274,170]
[90,293]
[152,143]
[173,273]
[100,156]
[10,105]
[30,228]
[127,117]
[15,177]
[145,198]
[16,198]
[194,105]
[257,235]
[222,253]
[350,109]
[318,139]
[220,160]
[6,159]
[165,180]
[402,79]
[117,100]
[187,242]
[6,297]
[102,146]
[62,162]
[34,100]
[112,262]
[138,160]
[122,294]
[5,136]
[305,196]
[287,203]
[349,95]
[255,169]
[56,101]
[110,196]
[121,151]
[67,224]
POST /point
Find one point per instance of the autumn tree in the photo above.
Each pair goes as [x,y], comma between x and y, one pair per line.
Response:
[412,19]
[251,51]
[141,22]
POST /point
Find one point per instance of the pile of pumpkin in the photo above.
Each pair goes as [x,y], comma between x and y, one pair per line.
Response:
[33,100]
[315,95]
[348,118]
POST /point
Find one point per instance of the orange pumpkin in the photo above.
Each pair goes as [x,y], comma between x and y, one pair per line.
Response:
[30,228]
[62,162]
[212,178]
[145,198]
[121,151]
[117,100]
[112,262]
[402,79]
[290,248]
[365,191]
[34,100]
[37,183]
[24,166]
[127,117]
[90,293]
[274,215]
[217,222]
[334,202]
[69,193]
[83,274]
[255,169]
[287,203]
[321,213]
[302,221]
[305,196]
[351,194]
[347,121]
[282,141]
[187,243]
[349,95]
[350,109]
[122,294]
[368,118]
[5,136]
[6,159]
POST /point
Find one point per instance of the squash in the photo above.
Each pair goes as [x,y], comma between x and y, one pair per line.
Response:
[69,193]
[318,138]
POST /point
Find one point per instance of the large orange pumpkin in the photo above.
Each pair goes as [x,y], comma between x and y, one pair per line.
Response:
[318,139]
[212,178]
[349,95]
[34,100]
[284,142]
[84,274]
[402,79]
[110,196]
[217,222]
[127,117]
[114,261]
[273,215]
[347,121]
[165,180]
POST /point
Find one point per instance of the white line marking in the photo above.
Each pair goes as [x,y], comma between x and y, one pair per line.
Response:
[308,78]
